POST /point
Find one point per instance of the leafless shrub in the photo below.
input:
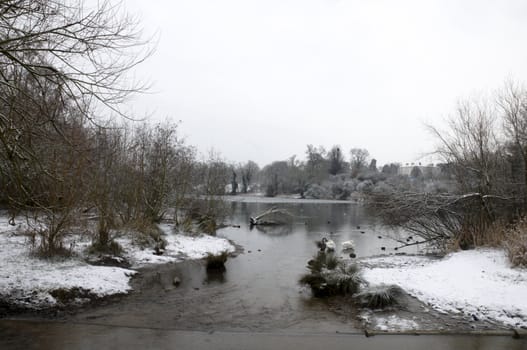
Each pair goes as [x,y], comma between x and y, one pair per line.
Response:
[441,219]
[484,197]
[515,244]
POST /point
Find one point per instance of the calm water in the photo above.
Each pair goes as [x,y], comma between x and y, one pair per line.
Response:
[259,291]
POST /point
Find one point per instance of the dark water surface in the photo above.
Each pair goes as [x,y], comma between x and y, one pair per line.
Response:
[259,291]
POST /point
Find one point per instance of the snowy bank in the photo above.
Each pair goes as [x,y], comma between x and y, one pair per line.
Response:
[388,323]
[478,283]
[178,248]
[28,281]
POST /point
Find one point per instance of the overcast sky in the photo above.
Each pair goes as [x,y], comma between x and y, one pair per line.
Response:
[262,79]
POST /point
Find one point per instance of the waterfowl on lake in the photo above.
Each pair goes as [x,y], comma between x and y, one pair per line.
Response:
[326,245]
[321,244]
[348,245]
[330,245]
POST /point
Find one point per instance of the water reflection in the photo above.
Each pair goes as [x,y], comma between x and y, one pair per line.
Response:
[275,230]
[312,221]
[259,290]
[215,276]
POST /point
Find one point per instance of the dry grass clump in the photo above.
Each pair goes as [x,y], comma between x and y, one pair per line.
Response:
[112,248]
[379,297]
[515,244]
[148,235]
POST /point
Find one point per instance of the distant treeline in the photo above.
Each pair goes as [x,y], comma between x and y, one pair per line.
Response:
[329,175]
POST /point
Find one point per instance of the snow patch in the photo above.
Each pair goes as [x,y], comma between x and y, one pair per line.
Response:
[179,247]
[29,281]
[396,323]
[478,283]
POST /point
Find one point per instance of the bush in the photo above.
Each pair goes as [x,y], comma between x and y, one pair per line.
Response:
[112,248]
[148,235]
[515,243]
[216,262]
[207,215]
[207,224]
[331,276]
[341,190]
[365,186]
[316,191]
[47,234]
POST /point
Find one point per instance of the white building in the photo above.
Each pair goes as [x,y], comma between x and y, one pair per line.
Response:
[428,170]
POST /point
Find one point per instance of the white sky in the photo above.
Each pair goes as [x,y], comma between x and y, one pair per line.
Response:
[262,79]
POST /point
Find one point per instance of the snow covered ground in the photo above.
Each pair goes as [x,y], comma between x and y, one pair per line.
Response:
[478,283]
[389,323]
[28,281]
[178,248]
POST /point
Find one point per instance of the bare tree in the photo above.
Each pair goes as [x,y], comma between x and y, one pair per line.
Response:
[211,177]
[182,178]
[61,63]
[57,55]
[513,104]
[373,165]
[359,160]
[416,172]
[316,164]
[472,146]
[336,160]
[107,150]
[83,51]
[248,171]
[234,182]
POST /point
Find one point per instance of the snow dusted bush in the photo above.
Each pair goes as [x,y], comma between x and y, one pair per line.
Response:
[330,276]
[342,189]
[316,191]
[365,186]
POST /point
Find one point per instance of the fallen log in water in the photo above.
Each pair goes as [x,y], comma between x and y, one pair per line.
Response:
[273,216]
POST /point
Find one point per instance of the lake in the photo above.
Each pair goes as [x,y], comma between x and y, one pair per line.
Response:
[256,302]
[259,291]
